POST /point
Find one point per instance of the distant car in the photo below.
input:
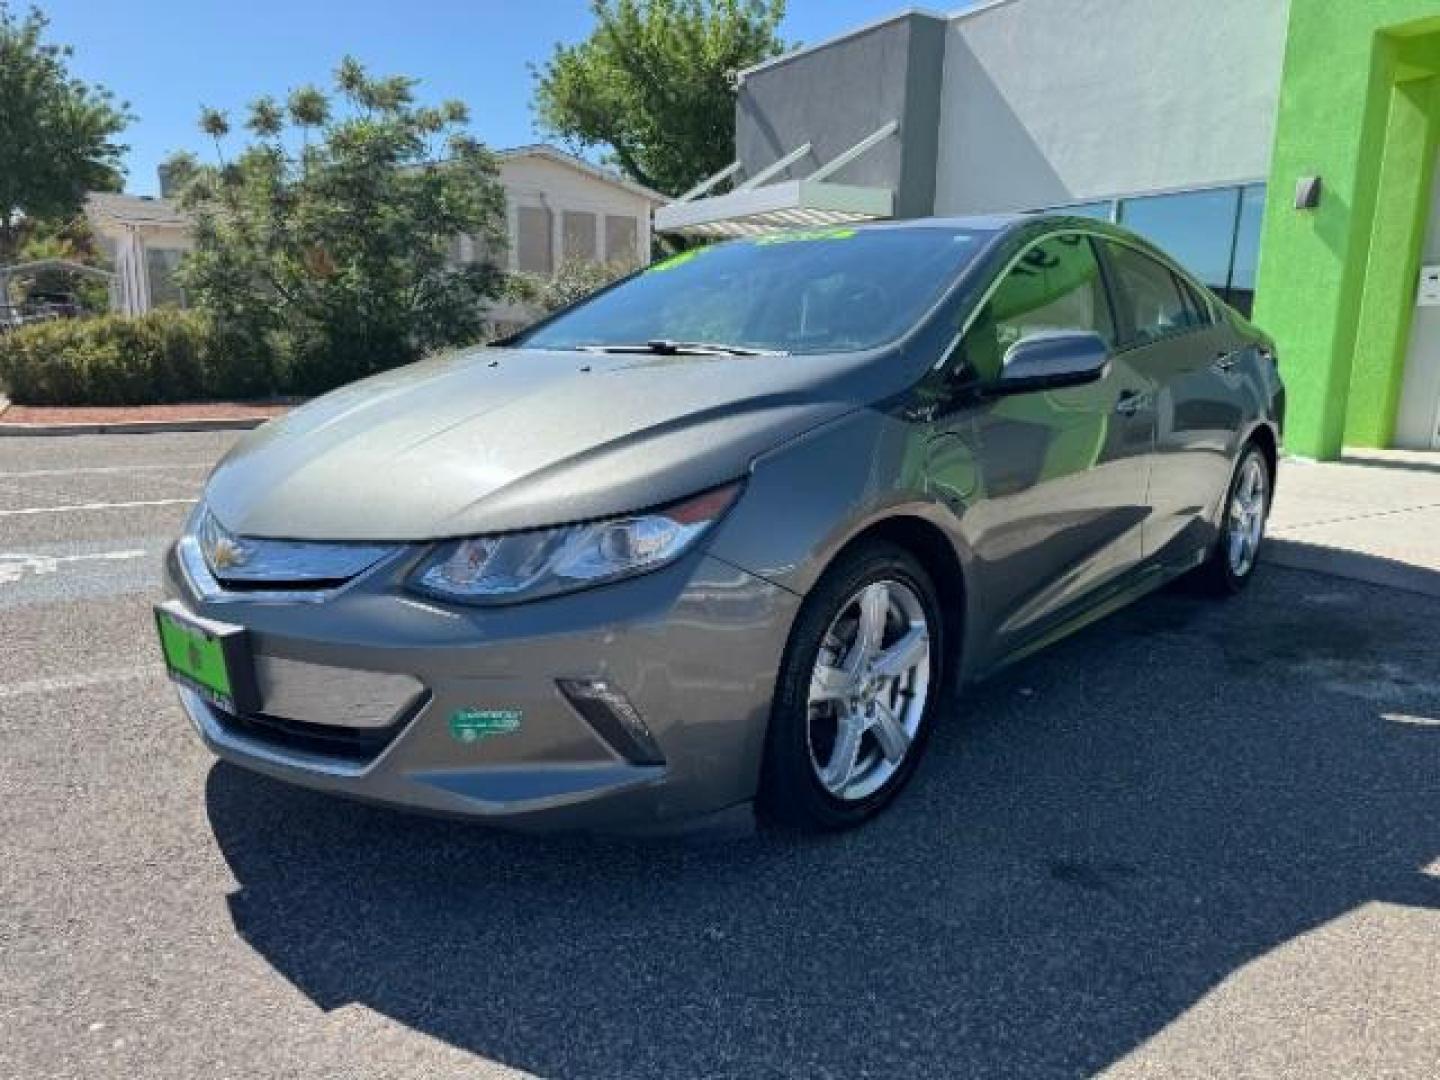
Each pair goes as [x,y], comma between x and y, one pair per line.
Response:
[725,531]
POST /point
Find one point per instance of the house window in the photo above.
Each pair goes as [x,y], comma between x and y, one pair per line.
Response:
[579,235]
[534,250]
[160,266]
[622,240]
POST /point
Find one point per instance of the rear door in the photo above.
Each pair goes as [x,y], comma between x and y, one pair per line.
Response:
[1172,337]
[1060,475]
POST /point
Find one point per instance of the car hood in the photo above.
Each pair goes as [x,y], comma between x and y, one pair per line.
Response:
[493,440]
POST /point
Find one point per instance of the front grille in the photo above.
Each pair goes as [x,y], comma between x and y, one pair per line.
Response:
[354,746]
[247,563]
[241,585]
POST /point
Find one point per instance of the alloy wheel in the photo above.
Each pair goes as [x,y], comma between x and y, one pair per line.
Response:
[869,689]
[1245,523]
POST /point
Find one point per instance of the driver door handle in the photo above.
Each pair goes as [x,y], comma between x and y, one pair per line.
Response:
[1227,360]
[1129,402]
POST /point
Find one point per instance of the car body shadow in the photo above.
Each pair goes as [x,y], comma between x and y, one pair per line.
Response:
[1099,837]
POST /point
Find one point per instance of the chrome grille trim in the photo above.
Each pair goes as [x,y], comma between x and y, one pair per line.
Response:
[207,587]
[253,560]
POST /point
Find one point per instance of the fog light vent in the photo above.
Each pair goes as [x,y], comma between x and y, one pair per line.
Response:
[606,709]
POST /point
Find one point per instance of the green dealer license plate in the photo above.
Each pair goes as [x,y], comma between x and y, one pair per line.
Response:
[211,658]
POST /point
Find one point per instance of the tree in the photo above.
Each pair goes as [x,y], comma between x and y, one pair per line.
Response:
[573,280]
[654,84]
[56,132]
[335,260]
[67,241]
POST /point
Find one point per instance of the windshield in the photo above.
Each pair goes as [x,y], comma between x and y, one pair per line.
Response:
[827,290]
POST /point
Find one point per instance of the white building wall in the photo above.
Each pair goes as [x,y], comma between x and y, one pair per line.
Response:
[537,181]
[1049,102]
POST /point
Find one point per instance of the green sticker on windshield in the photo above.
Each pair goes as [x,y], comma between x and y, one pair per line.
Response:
[471,725]
[804,236]
[676,260]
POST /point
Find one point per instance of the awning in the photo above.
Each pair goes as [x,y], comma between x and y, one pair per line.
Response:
[788,205]
[760,206]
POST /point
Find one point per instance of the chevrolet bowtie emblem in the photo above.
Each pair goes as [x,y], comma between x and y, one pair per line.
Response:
[228,554]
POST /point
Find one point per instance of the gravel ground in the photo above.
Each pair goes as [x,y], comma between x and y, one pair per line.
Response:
[1197,839]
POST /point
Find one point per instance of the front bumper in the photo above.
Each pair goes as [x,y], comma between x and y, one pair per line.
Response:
[358,693]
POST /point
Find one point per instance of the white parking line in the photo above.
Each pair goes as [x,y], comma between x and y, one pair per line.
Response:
[87,507]
[14,564]
[103,469]
[80,682]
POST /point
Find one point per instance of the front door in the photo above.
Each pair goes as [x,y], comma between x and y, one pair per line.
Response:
[1417,422]
[1059,500]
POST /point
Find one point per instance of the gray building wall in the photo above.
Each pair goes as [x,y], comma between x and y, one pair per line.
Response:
[836,94]
[1048,102]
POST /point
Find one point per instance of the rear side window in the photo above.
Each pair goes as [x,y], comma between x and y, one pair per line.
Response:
[1055,285]
[1152,306]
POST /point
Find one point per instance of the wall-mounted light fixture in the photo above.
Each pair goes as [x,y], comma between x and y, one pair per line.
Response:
[1307,193]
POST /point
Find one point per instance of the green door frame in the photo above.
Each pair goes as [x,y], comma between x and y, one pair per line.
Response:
[1360,108]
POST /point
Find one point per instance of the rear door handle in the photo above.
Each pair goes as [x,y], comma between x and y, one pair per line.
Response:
[1129,402]
[1227,360]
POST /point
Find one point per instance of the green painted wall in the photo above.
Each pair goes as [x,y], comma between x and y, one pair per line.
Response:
[1359,108]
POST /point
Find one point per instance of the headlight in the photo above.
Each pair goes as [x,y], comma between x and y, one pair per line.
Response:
[530,565]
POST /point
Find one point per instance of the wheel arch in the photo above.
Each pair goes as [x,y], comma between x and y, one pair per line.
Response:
[929,544]
[1263,436]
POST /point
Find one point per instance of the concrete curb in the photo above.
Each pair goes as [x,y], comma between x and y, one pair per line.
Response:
[135,427]
[1352,565]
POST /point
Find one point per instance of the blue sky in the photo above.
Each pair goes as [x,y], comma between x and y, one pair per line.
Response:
[168,57]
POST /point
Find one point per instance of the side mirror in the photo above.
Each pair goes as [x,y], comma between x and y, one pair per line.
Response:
[1053,359]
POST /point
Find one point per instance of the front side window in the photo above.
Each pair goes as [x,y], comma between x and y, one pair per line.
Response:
[823,290]
[1152,296]
[1055,285]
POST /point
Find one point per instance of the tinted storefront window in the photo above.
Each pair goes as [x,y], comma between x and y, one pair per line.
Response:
[1214,233]
[1241,294]
[1100,211]
[1195,227]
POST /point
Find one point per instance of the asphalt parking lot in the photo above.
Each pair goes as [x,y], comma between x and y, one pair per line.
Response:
[1194,840]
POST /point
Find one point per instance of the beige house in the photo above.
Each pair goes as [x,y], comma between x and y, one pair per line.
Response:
[559,208]
[143,238]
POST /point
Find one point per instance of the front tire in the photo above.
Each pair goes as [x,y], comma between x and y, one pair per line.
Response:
[858,689]
[1242,526]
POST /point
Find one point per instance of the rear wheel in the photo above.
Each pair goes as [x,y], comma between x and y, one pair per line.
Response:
[857,692]
[1242,526]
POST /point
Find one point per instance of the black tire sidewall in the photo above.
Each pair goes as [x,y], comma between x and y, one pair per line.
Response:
[790,793]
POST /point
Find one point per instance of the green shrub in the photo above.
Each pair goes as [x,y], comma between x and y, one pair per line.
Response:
[164,356]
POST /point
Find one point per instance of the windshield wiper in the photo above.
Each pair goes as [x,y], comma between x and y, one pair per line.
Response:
[670,347]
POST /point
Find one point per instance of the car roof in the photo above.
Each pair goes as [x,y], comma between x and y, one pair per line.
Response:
[998,223]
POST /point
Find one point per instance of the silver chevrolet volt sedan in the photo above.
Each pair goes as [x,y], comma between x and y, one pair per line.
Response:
[727,533]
